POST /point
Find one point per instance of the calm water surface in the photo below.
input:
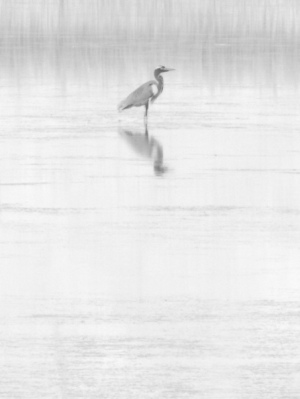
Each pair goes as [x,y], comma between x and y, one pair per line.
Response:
[164,266]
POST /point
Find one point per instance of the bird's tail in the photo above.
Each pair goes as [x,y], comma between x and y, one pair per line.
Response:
[124,105]
[120,106]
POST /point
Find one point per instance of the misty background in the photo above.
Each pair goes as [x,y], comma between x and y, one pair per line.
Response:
[159,262]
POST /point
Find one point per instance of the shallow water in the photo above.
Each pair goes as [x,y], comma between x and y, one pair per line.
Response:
[149,266]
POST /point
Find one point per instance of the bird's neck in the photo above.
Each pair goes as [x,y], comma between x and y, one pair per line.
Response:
[160,85]
[160,80]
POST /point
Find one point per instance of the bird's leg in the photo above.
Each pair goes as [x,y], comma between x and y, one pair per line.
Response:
[146,112]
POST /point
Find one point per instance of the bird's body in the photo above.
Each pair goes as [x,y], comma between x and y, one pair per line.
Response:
[140,96]
[146,93]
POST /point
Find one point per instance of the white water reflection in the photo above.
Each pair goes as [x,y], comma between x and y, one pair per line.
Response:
[160,263]
[79,348]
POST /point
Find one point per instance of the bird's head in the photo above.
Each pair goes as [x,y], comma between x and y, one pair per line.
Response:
[160,69]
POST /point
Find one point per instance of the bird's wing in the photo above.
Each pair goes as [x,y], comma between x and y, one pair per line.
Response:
[138,97]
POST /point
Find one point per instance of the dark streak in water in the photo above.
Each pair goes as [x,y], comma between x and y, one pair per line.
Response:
[24,184]
[52,211]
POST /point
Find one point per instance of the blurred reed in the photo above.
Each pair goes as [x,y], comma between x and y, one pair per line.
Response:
[208,37]
[273,20]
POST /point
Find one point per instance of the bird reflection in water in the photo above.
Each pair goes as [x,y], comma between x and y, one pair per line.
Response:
[146,146]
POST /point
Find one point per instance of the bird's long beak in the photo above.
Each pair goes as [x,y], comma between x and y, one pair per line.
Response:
[169,69]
